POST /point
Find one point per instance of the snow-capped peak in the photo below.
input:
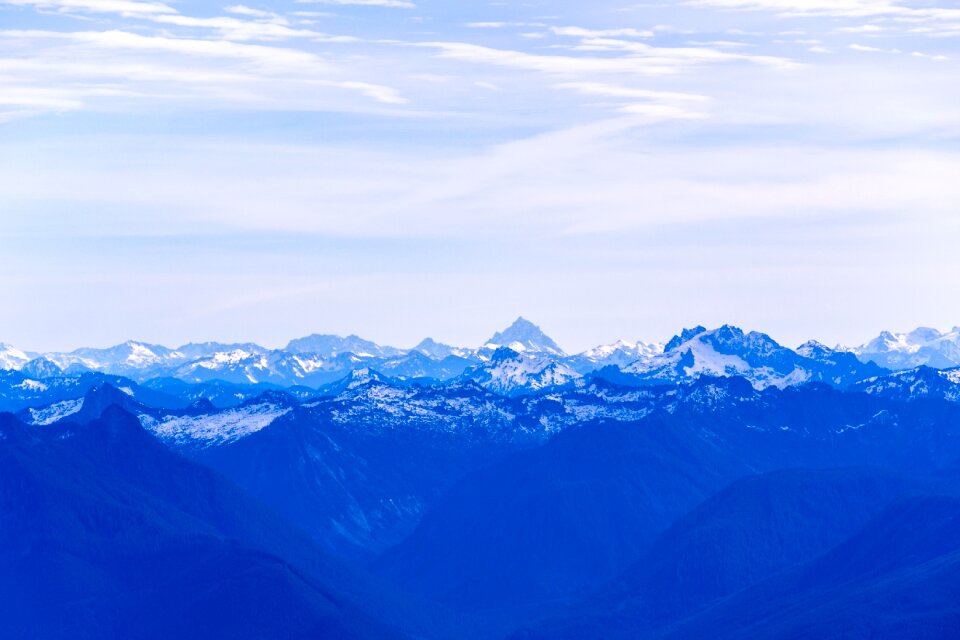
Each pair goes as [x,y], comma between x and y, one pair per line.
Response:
[11,357]
[814,349]
[509,372]
[922,346]
[332,345]
[621,353]
[524,336]
[437,350]
[725,351]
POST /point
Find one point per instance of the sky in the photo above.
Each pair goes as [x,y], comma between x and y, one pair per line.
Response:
[201,170]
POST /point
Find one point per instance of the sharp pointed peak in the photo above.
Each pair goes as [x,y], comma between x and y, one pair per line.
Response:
[524,335]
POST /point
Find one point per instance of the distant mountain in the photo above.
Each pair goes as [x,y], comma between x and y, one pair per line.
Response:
[243,366]
[90,407]
[219,393]
[195,350]
[618,354]
[418,365]
[920,347]
[124,359]
[912,384]
[318,360]
[328,346]
[40,368]
[19,391]
[191,429]
[728,351]
[523,337]
[438,351]
[353,380]
[12,358]
[508,372]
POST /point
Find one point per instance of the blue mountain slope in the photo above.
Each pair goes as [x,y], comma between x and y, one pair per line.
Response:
[107,534]
[542,527]
[545,524]
[747,532]
[899,577]
[356,489]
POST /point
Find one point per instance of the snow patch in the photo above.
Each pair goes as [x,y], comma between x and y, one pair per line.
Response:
[54,412]
[217,428]
[31,385]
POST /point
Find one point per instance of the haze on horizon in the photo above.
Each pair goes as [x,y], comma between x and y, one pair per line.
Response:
[176,172]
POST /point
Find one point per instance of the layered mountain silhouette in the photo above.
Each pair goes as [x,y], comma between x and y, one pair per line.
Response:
[320,359]
[720,485]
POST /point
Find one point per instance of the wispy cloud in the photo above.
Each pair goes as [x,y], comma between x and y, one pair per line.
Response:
[831,8]
[933,20]
[64,71]
[122,7]
[494,25]
[863,28]
[868,49]
[580,32]
[395,4]
[638,58]
[243,10]
[657,105]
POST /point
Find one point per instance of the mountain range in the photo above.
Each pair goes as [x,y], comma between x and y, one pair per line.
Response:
[321,359]
[720,485]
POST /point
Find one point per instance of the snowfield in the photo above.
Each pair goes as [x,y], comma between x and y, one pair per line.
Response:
[216,428]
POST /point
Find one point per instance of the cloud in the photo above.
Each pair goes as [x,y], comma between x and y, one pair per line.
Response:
[580,32]
[123,7]
[243,10]
[615,91]
[937,57]
[494,25]
[584,180]
[638,58]
[380,93]
[655,105]
[936,21]
[644,149]
[274,28]
[396,4]
[50,71]
[39,98]
[828,8]
[864,28]
[868,49]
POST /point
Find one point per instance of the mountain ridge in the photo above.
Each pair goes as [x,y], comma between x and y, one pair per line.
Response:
[321,359]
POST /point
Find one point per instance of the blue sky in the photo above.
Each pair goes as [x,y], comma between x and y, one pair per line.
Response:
[175,171]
